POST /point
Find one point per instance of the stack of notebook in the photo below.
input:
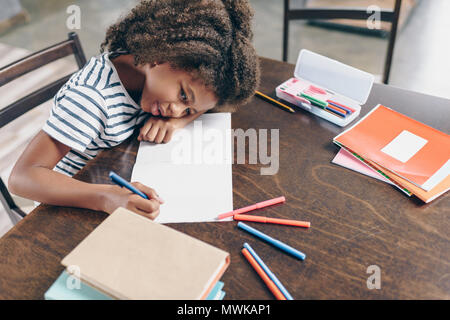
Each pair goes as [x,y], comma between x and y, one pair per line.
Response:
[399,150]
[131,257]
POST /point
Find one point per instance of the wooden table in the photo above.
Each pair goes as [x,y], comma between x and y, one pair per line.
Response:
[356,221]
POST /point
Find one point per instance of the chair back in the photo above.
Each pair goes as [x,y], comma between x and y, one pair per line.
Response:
[16,109]
[339,13]
[32,62]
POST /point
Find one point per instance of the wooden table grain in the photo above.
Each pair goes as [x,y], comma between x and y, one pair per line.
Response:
[356,221]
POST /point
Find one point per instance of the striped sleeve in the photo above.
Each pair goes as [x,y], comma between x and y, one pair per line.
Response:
[77,117]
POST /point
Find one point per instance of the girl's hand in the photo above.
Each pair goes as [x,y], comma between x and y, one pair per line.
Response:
[116,196]
[160,130]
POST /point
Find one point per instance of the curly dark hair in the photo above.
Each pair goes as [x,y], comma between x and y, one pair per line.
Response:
[210,39]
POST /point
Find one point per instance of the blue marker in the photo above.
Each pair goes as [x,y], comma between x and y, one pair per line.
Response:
[125,184]
[337,112]
[268,272]
[340,106]
[272,241]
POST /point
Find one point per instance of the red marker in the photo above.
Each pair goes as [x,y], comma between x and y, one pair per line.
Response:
[295,223]
[255,206]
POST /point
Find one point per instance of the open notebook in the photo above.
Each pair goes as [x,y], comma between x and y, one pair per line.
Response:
[129,256]
[192,173]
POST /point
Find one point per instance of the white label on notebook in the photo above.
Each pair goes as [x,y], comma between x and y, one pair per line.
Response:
[404,146]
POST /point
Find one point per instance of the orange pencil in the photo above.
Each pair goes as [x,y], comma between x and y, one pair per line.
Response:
[295,223]
[269,283]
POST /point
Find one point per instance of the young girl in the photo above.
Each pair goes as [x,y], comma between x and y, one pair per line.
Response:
[167,62]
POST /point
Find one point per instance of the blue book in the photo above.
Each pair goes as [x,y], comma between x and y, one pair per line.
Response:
[60,291]
[215,292]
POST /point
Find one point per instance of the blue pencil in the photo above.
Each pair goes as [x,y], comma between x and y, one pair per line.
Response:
[272,241]
[268,272]
[124,183]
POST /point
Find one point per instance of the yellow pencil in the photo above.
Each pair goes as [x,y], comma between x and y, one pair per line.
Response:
[273,101]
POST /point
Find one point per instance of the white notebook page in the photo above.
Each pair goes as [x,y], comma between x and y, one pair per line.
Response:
[192,173]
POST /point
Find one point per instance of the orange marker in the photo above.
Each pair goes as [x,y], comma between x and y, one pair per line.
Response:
[255,206]
[296,223]
[269,283]
[336,104]
[338,109]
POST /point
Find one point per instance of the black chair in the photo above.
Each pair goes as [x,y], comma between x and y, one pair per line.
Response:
[338,13]
[11,112]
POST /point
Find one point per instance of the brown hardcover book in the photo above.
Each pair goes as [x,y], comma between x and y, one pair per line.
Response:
[131,257]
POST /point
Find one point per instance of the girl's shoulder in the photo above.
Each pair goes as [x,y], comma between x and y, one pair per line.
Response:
[98,80]
[97,73]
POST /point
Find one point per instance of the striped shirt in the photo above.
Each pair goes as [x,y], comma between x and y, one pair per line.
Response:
[92,112]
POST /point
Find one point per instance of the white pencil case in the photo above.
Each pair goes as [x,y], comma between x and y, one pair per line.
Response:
[331,80]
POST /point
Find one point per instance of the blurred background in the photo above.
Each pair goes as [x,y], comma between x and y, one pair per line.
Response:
[420,60]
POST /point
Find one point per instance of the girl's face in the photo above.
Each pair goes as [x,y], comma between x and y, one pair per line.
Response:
[174,93]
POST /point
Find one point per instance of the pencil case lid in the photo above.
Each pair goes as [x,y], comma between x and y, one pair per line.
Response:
[334,75]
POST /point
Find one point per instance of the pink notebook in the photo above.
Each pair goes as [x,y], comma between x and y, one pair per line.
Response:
[347,160]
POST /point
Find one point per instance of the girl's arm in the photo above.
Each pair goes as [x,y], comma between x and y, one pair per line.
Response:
[33,178]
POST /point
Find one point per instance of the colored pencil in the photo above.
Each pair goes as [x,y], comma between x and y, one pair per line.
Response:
[273,101]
